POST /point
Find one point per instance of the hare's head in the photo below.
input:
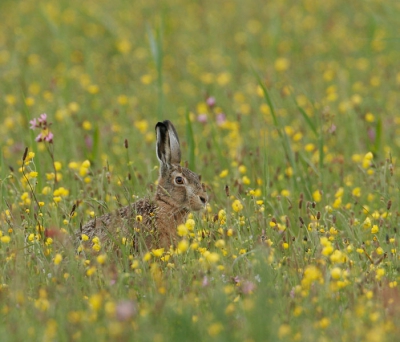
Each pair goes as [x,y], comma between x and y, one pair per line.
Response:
[177,185]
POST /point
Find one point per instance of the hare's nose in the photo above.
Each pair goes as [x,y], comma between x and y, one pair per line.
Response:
[203,200]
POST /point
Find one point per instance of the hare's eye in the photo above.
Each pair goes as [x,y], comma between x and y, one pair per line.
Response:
[179,180]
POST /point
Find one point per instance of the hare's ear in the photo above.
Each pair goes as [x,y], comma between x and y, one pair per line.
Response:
[163,146]
[174,143]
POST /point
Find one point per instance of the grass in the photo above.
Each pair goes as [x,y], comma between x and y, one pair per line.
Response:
[299,154]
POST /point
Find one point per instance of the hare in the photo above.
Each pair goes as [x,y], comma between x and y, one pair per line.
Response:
[154,221]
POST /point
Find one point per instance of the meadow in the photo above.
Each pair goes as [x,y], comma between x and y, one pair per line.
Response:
[288,109]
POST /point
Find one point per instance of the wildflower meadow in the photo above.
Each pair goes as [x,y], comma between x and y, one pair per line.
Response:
[288,109]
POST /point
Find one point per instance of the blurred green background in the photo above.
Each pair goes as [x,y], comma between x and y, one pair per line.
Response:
[291,104]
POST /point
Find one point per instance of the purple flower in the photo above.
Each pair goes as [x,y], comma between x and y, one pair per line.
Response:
[221,118]
[248,287]
[42,118]
[88,142]
[33,124]
[372,134]
[125,310]
[41,123]
[205,282]
[236,279]
[49,137]
[202,118]
[211,101]
[39,138]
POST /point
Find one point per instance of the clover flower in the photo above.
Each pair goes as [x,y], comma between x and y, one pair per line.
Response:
[41,123]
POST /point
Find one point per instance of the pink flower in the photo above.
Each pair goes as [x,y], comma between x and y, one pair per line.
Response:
[125,310]
[42,123]
[205,281]
[39,138]
[49,137]
[33,124]
[221,118]
[202,118]
[42,118]
[248,287]
[211,101]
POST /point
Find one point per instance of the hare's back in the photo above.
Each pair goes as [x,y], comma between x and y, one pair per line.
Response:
[141,214]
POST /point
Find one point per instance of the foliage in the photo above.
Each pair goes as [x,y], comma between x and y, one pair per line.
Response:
[287,109]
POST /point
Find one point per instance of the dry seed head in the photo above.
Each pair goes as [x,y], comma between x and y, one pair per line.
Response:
[227,190]
[25,154]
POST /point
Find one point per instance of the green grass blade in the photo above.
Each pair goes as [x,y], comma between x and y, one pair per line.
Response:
[282,134]
[308,120]
[190,141]
[156,48]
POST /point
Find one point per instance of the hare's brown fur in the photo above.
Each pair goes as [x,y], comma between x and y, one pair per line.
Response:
[153,222]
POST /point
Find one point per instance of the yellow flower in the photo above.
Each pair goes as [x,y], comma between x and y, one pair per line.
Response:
[214,329]
[96,247]
[147,256]
[220,243]
[223,173]
[212,258]
[222,215]
[337,257]
[284,331]
[95,301]
[369,156]
[61,192]
[142,126]
[183,246]
[182,230]
[336,273]
[356,192]
[327,250]
[5,239]
[237,206]
[135,264]
[367,223]
[374,229]
[190,223]
[324,323]
[317,196]
[282,64]
[242,169]
[73,165]
[101,259]
[57,165]
[122,100]
[86,125]
[369,117]
[91,271]
[246,180]
[380,272]
[57,259]
[158,252]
